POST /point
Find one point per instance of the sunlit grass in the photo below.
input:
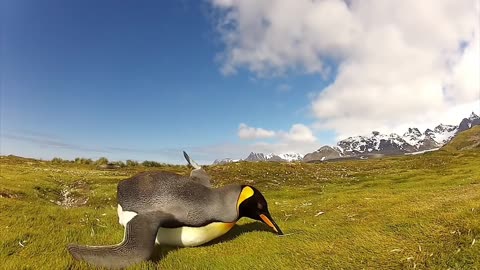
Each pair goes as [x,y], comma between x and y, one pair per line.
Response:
[410,212]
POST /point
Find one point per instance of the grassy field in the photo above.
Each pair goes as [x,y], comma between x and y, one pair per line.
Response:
[413,212]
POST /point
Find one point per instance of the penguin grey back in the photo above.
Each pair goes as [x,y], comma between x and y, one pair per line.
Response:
[191,203]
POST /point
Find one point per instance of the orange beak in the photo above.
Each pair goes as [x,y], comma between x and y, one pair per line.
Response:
[267,219]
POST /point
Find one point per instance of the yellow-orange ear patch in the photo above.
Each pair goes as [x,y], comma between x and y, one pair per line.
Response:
[246,193]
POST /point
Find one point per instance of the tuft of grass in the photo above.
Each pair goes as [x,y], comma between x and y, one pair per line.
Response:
[412,212]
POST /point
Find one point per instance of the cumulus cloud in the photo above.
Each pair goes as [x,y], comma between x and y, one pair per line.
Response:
[299,139]
[394,62]
[250,133]
[299,133]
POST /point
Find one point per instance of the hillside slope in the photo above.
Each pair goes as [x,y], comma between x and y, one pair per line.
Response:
[465,140]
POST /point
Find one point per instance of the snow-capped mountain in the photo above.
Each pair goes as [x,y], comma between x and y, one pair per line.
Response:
[374,144]
[412,141]
[291,157]
[273,157]
[429,139]
[225,161]
[253,157]
[467,123]
[393,144]
[444,133]
[258,157]
[412,136]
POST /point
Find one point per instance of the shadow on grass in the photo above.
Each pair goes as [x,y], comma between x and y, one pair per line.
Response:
[163,250]
[239,230]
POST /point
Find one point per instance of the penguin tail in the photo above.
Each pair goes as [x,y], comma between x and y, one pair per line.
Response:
[112,257]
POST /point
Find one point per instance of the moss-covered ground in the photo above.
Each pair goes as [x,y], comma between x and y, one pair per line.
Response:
[411,212]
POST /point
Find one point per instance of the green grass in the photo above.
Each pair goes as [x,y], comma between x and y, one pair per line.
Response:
[412,212]
[466,140]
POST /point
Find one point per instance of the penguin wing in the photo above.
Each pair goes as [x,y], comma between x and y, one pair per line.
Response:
[137,245]
[190,161]
[198,174]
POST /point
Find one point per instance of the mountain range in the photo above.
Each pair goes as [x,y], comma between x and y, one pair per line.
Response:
[375,145]
[253,156]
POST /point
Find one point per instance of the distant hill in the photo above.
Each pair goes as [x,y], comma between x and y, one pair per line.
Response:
[324,153]
[465,140]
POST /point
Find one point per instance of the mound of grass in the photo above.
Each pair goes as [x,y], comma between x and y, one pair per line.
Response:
[466,140]
[412,212]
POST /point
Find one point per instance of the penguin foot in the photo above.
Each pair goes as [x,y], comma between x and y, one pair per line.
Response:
[137,246]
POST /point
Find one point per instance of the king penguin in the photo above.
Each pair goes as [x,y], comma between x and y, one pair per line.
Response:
[167,208]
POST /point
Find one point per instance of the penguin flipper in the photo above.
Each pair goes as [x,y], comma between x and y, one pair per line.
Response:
[198,173]
[137,246]
[190,161]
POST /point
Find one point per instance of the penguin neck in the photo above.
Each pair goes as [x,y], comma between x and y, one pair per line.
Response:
[226,203]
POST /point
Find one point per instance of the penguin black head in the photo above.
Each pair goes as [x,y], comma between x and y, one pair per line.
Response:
[252,204]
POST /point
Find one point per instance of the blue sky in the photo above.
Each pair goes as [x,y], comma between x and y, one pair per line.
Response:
[105,74]
[145,80]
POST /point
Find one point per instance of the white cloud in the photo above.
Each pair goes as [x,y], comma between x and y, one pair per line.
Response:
[251,133]
[299,139]
[465,74]
[299,133]
[398,62]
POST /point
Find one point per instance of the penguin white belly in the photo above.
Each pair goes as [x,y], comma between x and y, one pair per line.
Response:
[124,216]
[182,236]
[192,236]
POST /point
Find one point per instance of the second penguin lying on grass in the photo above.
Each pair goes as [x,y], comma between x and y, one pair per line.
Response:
[167,208]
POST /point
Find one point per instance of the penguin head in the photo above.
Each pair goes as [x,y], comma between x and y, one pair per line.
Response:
[252,204]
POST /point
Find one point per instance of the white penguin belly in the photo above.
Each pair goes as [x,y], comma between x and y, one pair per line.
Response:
[124,216]
[182,236]
[192,236]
